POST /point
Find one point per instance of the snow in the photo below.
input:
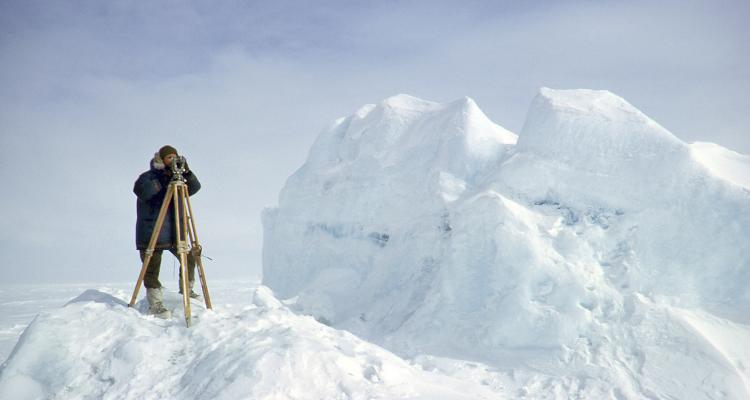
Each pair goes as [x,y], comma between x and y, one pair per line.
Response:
[424,252]
[19,304]
[594,130]
[95,347]
[590,253]
[723,163]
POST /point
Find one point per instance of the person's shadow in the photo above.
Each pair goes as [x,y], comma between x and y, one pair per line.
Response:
[93,295]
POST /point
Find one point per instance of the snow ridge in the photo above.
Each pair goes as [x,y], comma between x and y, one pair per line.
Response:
[597,131]
[96,347]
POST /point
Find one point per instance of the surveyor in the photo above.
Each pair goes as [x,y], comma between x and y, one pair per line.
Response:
[151,188]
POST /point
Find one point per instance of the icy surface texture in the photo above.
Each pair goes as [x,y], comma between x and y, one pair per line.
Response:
[596,247]
[95,347]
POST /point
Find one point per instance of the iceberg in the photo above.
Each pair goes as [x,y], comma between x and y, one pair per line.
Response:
[592,248]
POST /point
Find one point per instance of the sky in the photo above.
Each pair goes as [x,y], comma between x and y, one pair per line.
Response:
[91,89]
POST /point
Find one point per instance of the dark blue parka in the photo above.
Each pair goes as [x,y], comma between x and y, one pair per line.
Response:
[151,187]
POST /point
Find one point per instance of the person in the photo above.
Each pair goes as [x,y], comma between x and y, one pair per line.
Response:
[150,189]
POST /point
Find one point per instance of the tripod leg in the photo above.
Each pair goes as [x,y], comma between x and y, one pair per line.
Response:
[152,243]
[185,289]
[181,250]
[204,285]
[197,253]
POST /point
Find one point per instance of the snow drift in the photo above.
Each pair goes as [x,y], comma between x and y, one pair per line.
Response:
[96,347]
[595,250]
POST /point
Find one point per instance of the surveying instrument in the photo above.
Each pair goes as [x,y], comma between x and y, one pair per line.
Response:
[177,194]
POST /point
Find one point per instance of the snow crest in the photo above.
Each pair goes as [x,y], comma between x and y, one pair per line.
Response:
[594,248]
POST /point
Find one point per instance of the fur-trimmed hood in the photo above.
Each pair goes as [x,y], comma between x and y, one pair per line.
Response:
[157,163]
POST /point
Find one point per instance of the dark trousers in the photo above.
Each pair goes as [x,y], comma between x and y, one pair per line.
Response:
[151,280]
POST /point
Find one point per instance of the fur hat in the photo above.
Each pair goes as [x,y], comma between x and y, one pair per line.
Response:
[167,150]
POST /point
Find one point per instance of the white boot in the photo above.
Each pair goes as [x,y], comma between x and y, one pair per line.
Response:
[193,295]
[155,304]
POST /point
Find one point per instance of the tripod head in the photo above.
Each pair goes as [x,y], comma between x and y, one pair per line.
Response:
[179,167]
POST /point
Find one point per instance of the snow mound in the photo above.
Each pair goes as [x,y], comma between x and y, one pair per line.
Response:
[97,348]
[723,163]
[593,129]
[594,148]
[596,251]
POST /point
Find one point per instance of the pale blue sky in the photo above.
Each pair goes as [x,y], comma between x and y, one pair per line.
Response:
[91,89]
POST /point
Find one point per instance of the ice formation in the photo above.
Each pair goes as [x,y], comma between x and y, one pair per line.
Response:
[595,249]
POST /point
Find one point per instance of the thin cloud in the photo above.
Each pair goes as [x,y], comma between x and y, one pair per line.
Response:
[92,89]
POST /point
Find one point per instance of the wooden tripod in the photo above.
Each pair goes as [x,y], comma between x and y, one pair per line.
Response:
[177,192]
